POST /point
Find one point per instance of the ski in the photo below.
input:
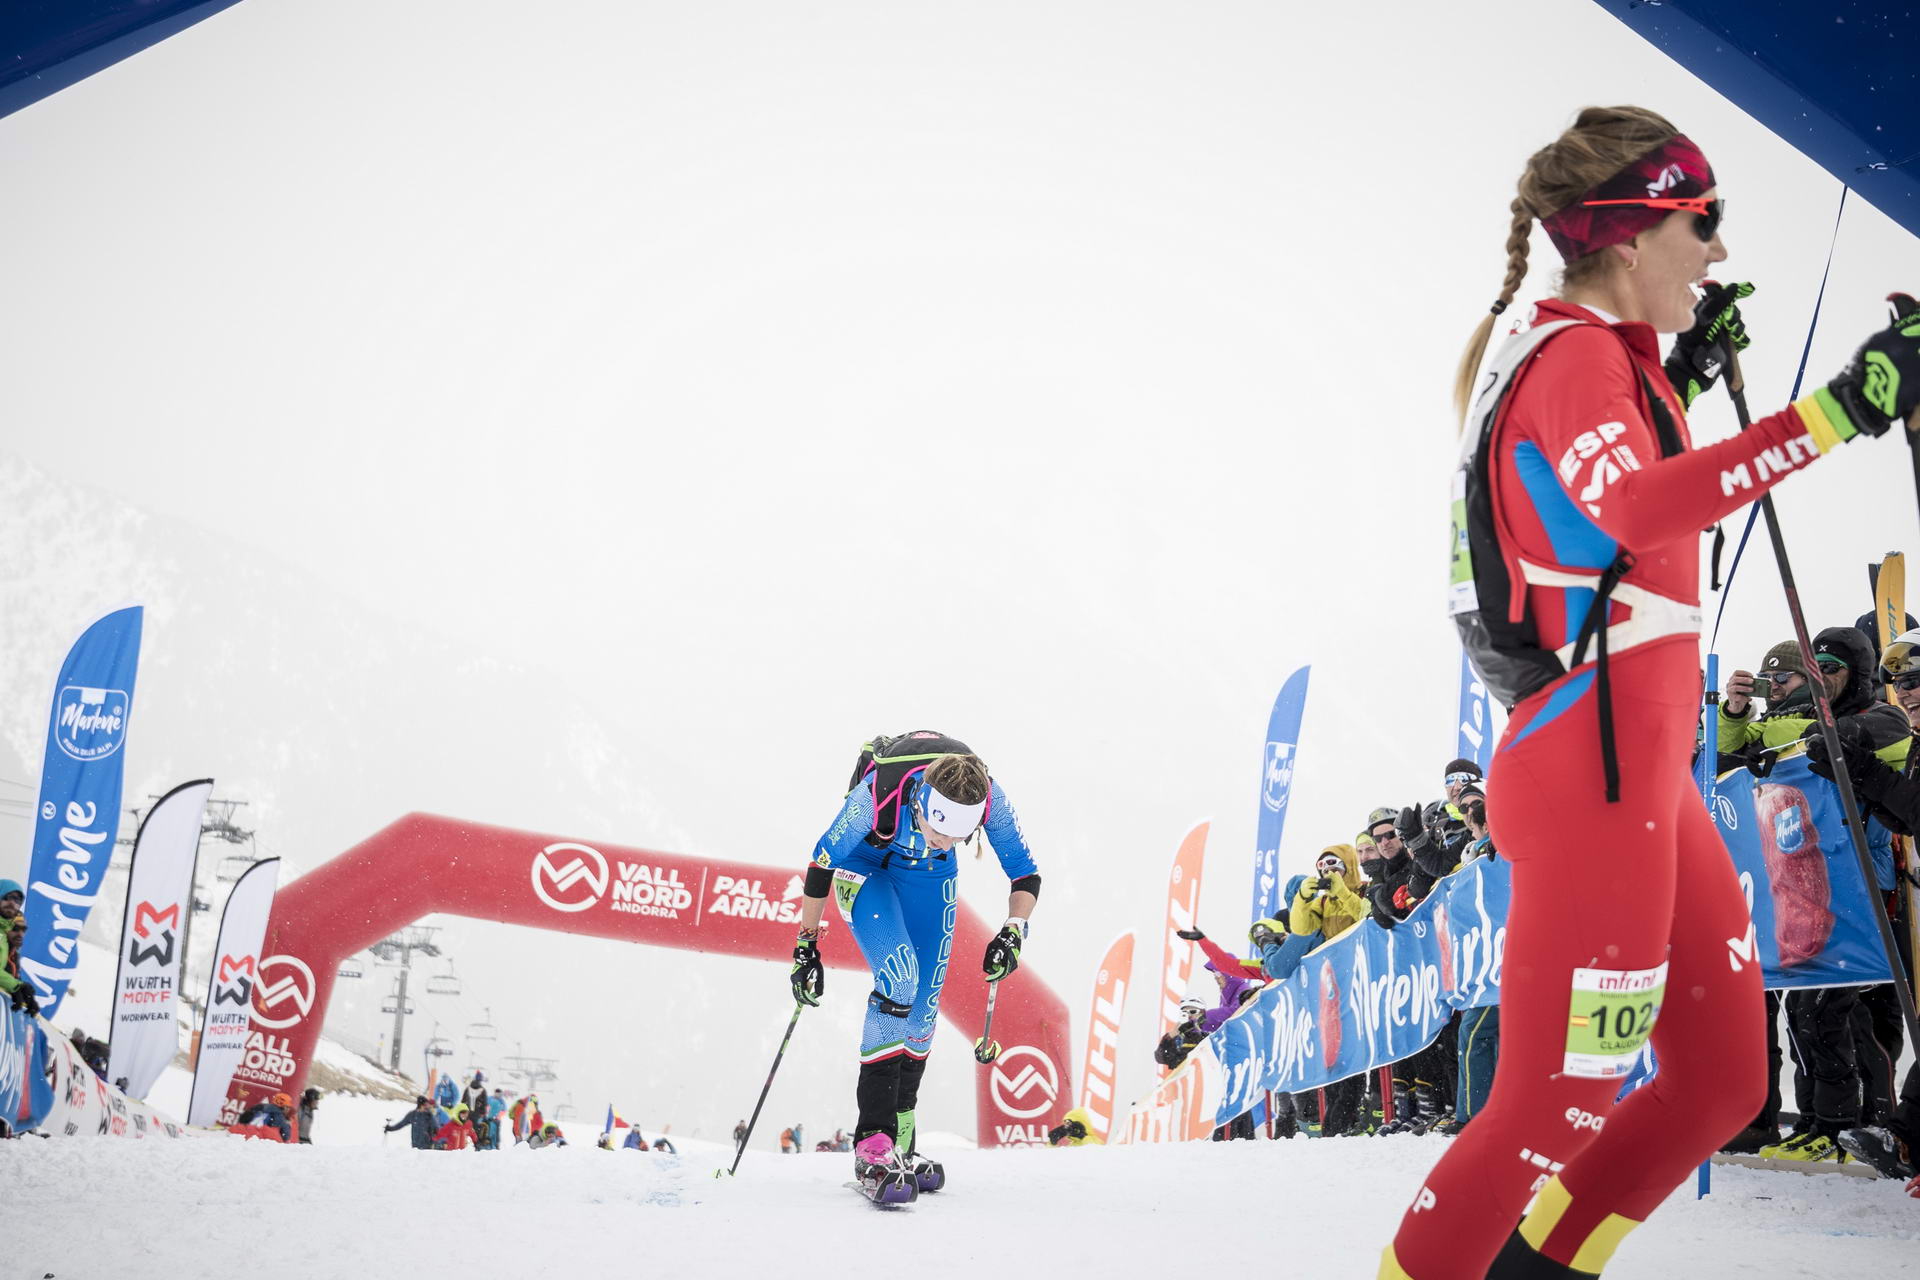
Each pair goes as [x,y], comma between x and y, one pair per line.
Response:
[888,1190]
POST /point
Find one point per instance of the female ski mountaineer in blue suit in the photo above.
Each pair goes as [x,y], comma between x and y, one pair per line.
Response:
[888,861]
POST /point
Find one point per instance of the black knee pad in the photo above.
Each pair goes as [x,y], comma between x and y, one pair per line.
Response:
[877,1001]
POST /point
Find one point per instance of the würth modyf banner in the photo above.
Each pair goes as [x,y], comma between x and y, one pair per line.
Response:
[1276,787]
[227,1035]
[146,994]
[79,811]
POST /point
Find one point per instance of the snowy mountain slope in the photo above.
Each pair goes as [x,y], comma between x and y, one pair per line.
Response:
[219,1207]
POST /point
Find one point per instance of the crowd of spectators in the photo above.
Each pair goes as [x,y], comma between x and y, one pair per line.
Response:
[1844,1042]
[1391,865]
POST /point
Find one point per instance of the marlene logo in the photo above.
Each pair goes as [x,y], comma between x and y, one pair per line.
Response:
[1279,775]
[1031,1090]
[90,724]
[295,986]
[559,867]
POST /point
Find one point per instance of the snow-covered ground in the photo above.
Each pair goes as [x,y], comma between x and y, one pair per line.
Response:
[215,1207]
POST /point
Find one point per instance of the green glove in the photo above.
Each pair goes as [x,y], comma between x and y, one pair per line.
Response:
[809,976]
[1701,354]
[1879,386]
[1003,953]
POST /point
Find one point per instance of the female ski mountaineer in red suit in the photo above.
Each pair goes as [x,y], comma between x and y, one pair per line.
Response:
[1579,513]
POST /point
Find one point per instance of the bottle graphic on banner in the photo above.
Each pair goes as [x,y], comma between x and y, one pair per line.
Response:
[1445,939]
[1329,1015]
[1802,898]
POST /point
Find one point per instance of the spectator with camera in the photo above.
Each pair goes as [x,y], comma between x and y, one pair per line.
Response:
[1847,664]
[1185,1036]
[1328,902]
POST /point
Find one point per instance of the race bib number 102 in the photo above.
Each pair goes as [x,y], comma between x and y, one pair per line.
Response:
[1611,1016]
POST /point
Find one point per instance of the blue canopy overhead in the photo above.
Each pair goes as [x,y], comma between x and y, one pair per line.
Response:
[1839,80]
[46,45]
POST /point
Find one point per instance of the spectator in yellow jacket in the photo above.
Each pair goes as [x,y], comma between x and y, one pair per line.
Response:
[1329,901]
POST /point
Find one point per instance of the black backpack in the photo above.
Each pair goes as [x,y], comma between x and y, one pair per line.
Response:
[890,767]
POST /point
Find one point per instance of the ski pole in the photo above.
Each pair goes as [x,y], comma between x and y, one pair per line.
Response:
[1829,731]
[755,1118]
[986,1050]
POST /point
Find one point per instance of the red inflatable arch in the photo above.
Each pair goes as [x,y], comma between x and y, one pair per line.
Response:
[424,864]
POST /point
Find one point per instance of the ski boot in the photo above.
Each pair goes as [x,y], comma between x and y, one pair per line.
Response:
[1876,1146]
[882,1173]
[1403,1112]
[1426,1109]
[1811,1148]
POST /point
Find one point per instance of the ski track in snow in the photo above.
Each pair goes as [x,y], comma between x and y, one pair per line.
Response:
[216,1206]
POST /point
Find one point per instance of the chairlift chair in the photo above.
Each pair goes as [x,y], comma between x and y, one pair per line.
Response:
[443,984]
[438,1048]
[392,1005]
[484,1029]
[351,968]
[232,867]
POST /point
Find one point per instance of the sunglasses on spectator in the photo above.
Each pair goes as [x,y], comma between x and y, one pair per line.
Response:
[1829,660]
[1461,777]
[1708,213]
[1380,836]
[1906,684]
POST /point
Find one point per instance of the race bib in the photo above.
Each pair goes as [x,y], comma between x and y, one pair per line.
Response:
[1611,1016]
[846,887]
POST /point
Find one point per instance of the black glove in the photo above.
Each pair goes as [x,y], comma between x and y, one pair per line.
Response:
[1191,935]
[1381,911]
[26,1001]
[809,976]
[1003,953]
[1323,885]
[1071,1129]
[1881,384]
[1701,353]
[1870,775]
[1264,934]
[1408,824]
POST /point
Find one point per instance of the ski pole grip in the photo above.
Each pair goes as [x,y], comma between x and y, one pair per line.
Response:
[1736,381]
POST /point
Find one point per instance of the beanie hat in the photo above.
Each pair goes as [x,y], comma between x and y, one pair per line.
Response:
[1464,765]
[1782,658]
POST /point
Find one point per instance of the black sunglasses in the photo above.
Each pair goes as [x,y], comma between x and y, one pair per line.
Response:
[1907,683]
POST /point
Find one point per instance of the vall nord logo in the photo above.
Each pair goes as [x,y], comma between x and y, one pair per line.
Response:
[286,983]
[561,872]
[90,724]
[1024,1090]
[233,980]
[150,923]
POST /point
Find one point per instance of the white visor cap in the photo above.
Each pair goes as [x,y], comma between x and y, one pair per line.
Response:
[949,817]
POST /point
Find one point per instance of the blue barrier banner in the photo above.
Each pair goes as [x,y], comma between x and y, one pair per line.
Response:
[26,1092]
[78,816]
[1276,787]
[1812,919]
[1476,715]
[1374,996]
[1369,997]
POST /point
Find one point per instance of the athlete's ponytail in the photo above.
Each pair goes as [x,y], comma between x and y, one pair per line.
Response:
[1600,143]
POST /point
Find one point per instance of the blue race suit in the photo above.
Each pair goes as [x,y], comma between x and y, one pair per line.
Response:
[902,908]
